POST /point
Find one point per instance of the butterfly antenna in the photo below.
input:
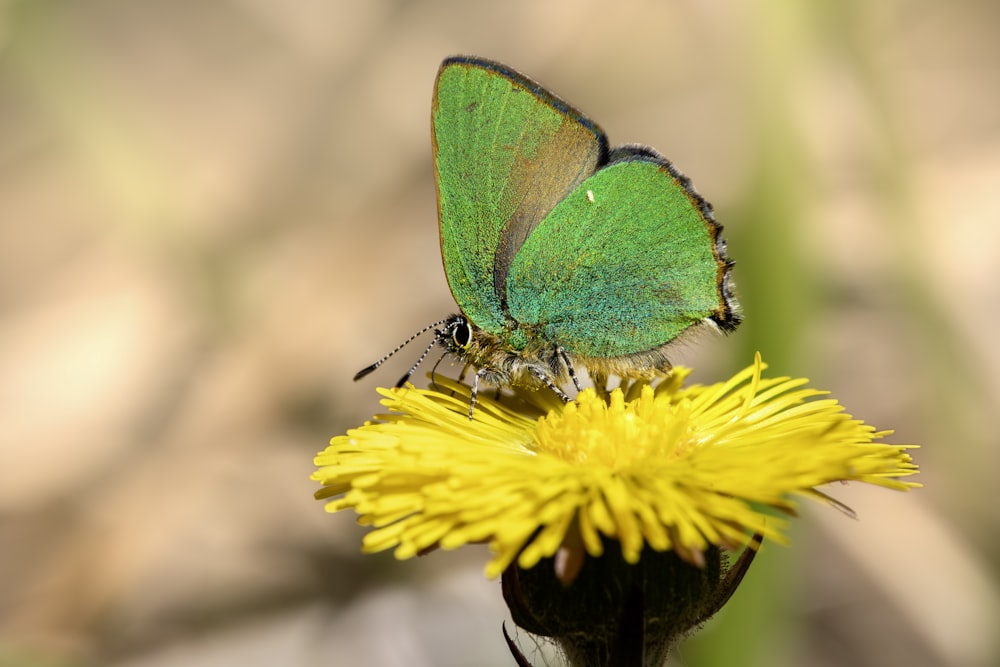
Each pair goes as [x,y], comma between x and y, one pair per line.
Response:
[365,371]
[413,368]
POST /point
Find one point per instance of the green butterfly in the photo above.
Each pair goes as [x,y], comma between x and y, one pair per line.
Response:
[560,251]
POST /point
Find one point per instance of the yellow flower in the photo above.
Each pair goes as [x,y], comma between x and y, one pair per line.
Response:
[666,467]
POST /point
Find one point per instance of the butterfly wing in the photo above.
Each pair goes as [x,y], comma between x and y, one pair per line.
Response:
[624,264]
[505,152]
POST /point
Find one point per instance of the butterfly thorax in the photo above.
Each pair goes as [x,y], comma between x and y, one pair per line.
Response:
[513,357]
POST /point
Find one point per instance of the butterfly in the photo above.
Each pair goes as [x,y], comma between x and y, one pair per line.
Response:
[560,251]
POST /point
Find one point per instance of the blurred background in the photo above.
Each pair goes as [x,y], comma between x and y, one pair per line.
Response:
[213,213]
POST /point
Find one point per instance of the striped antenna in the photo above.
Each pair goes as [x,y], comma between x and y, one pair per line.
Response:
[419,361]
[365,371]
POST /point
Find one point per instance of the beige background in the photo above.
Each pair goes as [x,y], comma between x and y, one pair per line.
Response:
[213,213]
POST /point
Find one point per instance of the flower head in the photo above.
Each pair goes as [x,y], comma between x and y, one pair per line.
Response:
[665,467]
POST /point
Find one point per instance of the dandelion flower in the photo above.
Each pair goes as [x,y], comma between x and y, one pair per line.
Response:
[666,468]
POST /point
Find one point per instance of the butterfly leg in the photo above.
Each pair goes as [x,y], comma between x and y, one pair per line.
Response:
[569,369]
[475,392]
[600,381]
[550,384]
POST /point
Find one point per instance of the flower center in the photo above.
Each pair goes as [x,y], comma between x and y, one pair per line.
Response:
[616,434]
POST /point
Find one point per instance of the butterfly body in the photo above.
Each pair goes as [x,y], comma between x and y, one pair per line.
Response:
[560,251]
[515,357]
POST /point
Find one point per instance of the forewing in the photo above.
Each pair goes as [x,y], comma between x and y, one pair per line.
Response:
[624,264]
[505,153]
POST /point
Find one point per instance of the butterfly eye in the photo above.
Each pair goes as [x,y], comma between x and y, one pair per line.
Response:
[462,335]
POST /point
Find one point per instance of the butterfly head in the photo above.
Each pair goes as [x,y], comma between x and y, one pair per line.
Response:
[456,336]
[488,353]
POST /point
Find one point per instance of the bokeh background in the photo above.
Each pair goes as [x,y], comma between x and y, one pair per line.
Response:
[213,213]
